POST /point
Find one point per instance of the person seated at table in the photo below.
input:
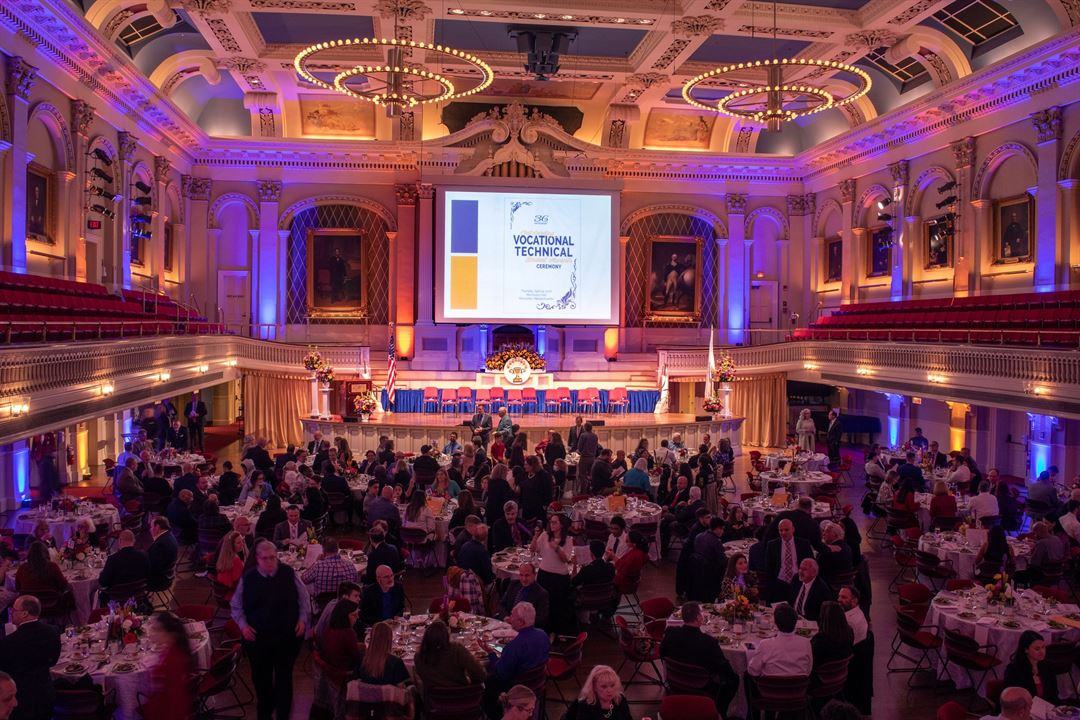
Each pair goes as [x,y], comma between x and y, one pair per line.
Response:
[996,549]
[270,517]
[85,534]
[211,519]
[231,561]
[984,504]
[509,531]
[292,482]
[443,486]
[618,543]
[601,697]
[600,475]
[383,600]
[466,506]
[331,570]
[637,477]
[959,474]
[943,504]
[41,533]
[26,656]
[159,486]
[255,487]
[738,576]
[887,490]
[315,502]
[525,589]
[1048,550]
[835,638]
[367,465]
[293,530]
[380,552]
[339,645]
[128,486]
[598,571]
[911,474]
[786,654]
[528,649]
[39,573]
[628,567]
[936,458]
[876,465]
[473,554]
[184,525]
[380,666]
[809,591]
[686,643]
[904,499]
[1027,668]
[737,526]
[783,556]
[442,663]
[385,509]
[835,558]
[166,698]
[126,565]
[683,566]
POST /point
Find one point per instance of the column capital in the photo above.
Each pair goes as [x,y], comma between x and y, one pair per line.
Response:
[162,168]
[406,194]
[425,191]
[623,239]
[798,205]
[127,143]
[82,116]
[391,236]
[269,191]
[899,172]
[736,203]
[980,204]
[1047,124]
[858,231]
[195,188]
[964,152]
[66,175]
[20,77]
[721,242]
[847,190]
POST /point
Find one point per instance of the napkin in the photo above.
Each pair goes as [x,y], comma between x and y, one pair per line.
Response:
[986,620]
[1038,626]
[1041,710]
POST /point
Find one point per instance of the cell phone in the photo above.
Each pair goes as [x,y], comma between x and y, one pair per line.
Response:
[498,649]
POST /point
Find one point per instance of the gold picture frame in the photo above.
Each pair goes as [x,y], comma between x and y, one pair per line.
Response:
[1014,226]
[879,251]
[337,273]
[939,236]
[40,202]
[668,295]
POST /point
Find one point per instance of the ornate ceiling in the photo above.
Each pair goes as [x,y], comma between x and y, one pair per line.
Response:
[228,63]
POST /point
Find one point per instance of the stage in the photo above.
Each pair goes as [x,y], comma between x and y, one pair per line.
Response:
[411,430]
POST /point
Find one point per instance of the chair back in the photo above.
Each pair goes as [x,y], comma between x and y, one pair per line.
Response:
[687,707]
[781,694]
[122,592]
[209,539]
[640,648]
[685,678]
[449,395]
[431,394]
[454,703]
[1060,656]
[497,394]
[962,650]
[219,677]
[828,679]
[952,710]
[413,536]
[513,395]
[197,613]
[914,594]
[534,678]
[528,394]
[658,608]
[79,704]
[335,676]
[597,530]
[350,544]
[570,656]
[596,597]
[839,580]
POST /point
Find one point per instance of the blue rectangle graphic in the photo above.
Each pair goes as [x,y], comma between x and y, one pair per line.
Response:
[464,216]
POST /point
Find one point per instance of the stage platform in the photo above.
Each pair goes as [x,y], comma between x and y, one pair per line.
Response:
[411,430]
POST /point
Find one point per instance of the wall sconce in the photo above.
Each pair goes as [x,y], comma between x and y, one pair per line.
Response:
[935,378]
[106,389]
[163,375]
[1036,389]
[202,368]
[15,408]
[864,371]
[916,401]
[810,366]
[230,363]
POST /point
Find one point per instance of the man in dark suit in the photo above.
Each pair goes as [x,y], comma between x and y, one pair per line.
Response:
[835,558]
[832,436]
[509,531]
[188,481]
[183,523]
[382,600]
[334,483]
[126,565]
[195,412]
[286,457]
[27,656]
[261,457]
[162,554]
[293,530]
[809,591]
[425,466]
[600,472]
[381,553]
[806,527]
[176,437]
[574,434]
[709,561]
[597,572]
[938,459]
[683,567]
[481,426]
[911,474]
[687,644]
[313,445]
[526,589]
[782,558]
[588,445]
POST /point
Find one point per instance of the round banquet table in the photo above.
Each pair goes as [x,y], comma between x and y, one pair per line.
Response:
[466,628]
[804,483]
[358,486]
[954,548]
[636,512]
[807,461]
[83,578]
[442,526]
[508,561]
[127,674]
[62,525]
[740,642]
[966,612]
[739,546]
[925,520]
[314,551]
[757,507]
[173,464]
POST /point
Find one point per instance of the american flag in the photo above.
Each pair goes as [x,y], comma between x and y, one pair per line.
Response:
[391,369]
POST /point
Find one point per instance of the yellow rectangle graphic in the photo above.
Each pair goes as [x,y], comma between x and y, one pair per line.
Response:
[463,295]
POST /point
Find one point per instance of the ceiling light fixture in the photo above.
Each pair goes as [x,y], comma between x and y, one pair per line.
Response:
[772,100]
[398,83]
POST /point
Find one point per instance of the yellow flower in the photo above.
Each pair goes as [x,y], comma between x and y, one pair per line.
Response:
[998,576]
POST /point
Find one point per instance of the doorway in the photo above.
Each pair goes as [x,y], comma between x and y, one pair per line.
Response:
[234,298]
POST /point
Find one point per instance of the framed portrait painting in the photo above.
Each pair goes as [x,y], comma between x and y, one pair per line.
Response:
[834,260]
[1014,222]
[674,279]
[38,203]
[335,272]
[938,235]
[880,251]
[168,248]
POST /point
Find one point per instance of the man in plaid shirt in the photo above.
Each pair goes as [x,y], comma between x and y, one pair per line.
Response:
[464,585]
[329,571]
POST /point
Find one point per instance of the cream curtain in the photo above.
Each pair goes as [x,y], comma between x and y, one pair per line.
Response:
[273,406]
[762,400]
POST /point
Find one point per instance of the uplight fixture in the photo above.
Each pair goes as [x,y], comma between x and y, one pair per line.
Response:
[202,368]
[935,378]
[163,375]
[106,389]
[15,408]
[864,371]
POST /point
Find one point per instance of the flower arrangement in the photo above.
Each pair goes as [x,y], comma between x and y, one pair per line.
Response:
[312,540]
[496,360]
[365,403]
[324,374]
[67,504]
[258,506]
[313,360]
[1000,591]
[74,552]
[124,625]
[738,608]
[725,370]
[713,404]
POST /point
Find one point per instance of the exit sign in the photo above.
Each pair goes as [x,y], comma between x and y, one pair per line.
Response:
[93,224]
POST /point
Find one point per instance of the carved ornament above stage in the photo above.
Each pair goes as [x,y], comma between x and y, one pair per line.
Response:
[162,167]
[1047,124]
[736,203]
[406,194]
[899,172]
[20,77]
[797,206]
[195,188]
[82,116]
[847,190]
[269,190]
[128,143]
[964,152]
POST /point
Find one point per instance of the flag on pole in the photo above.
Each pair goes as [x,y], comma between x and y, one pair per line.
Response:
[391,369]
[712,367]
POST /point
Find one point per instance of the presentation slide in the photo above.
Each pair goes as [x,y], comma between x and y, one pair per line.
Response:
[526,257]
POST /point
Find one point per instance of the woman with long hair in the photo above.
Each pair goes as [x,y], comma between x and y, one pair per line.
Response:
[465,508]
[905,498]
[344,453]
[418,515]
[339,645]
[169,696]
[806,431]
[943,504]
[738,576]
[834,638]
[737,526]
[380,666]
[39,573]
[1027,668]
[256,487]
[442,663]
[556,550]
[270,517]
[601,698]
[996,549]
[518,703]
[231,560]
[554,450]
[629,565]
[443,486]
[402,476]
[500,488]
[468,455]
[518,449]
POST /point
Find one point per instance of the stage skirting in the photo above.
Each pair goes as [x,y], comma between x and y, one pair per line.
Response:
[412,401]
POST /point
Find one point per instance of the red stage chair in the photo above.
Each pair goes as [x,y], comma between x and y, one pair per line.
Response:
[557,397]
[528,396]
[513,399]
[465,399]
[483,400]
[449,397]
[618,398]
[498,398]
[431,395]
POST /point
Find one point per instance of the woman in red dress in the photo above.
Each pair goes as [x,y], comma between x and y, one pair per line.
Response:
[628,567]
[169,696]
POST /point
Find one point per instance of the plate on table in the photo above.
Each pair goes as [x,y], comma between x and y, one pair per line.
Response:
[724,640]
[944,601]
[75,668]
[1011,624]
[805,632]
[1073,616]
[1065,711]
[123,668]
[1055,625]
[967,615]
[512,566]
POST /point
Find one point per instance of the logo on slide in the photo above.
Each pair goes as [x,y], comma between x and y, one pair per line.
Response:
[517,371]
[540,219]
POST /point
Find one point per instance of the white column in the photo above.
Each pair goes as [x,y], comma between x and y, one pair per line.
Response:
[969,240]
[738,277]
[403,259]
[623,240]
[66,198]
[265,261]
[912,240]
[853,263]
[1049,240]
[425,255]
[82,119]
[1070,228]
[980,242]
[849,283]
[122,207]
[901,240]
[200,260]
[19,79]
[721,284]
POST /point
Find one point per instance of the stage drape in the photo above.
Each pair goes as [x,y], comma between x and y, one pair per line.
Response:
[640,401]
[762,400]
[273,406]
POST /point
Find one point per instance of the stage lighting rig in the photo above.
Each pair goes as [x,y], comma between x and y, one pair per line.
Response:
[947,186]
[101,175]
[102,210]
[102,157]
[884,217]
[143,187]
[945,202]
[884,203]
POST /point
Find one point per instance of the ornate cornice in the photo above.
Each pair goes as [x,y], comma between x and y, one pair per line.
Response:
[203,8]
[19,77]
[797,206]
[127,144]
[695,26]
[871,39]
[1047,124]
[735,203]
[162,168]
[405,194]
[402,9]
[268,190]
[425,191]
[899,172]
[195,188]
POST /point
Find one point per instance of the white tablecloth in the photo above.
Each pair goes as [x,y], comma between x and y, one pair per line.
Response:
[506,563]
[807,461]
[636,512]
[757,507]
[805,483]
[925,520]
[84,585]
[63,526]
[952,547]
[465,628]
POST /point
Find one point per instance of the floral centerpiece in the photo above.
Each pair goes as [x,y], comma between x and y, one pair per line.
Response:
[496,360]
[365,403]
[738,608]
[725,370]
[312,540]
[258,506]
[75,551]
[713,404]
[324,374]
[313,360]
[125,626]
[447,614]
[67,504]
[1001,591]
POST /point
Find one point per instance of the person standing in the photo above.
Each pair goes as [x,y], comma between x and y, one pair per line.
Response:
[505,428]
[272,607]
[195,412]
[806,431]
[168,699]
[27,655]
[574,434]
[588,447]
[832,436]
[481,426]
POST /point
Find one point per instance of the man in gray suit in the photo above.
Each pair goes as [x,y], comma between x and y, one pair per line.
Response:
[293,530]
[588,447]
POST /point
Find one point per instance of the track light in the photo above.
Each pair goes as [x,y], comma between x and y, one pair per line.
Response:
[139,218]
[102,210]
[99,192]
[142,201]
[102,157]
[947,186]
[142,186]
[99,173]
[141,234]
[884,217]
[884,203]
[946,202]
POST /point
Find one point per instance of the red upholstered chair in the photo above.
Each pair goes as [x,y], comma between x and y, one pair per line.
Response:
[618,399]
[639,649]
[465,399]
[588,399]
[483,400]
[454,703]
[431,395]
[687,707]
[449,399]
[498,398]
[952,710]
[513,399]
[912,636]
[779,695]
[966,653]
[563,664]
[959,584]
[528,397]
[658,608]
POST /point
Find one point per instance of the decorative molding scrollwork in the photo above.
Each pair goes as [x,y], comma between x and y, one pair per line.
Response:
[640,82]
[1067,157]
[82,116]
[932,175]
[999,155]
[196,188]
[20,77]
[616,133]
[223,35]
[669,55]
[797,205]
[735,203]
[333,7]
[230,199]
[242,64]
[847,190]
[745,137]
[402,9]
[407,126]
[268,190]
[912,10]
[937,66]
[389,218]
[858,211]
[871,39]
[717,5]
[405,194]
[203,8]
[964,152]
[425,191]
[1047,124]
[811,204]
[827,208]
[267,122]
[513,134]
[786,32]
[899,172]
[162,168]
[695,26]
[128,143]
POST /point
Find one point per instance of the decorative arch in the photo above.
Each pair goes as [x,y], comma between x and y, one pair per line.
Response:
[872,193]
[926,178]
[718,225]
[824,210]
[772,214]
[55,123]
[172,193]
[994,160]
[231,199]
[353,200]
[142,171]
[101,142]
[1070,159]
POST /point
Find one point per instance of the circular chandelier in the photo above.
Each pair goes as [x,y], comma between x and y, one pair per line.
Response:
[396,84]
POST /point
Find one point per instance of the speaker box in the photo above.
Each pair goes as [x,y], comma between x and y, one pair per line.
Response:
[702,418]
[350,418]
[596,423]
